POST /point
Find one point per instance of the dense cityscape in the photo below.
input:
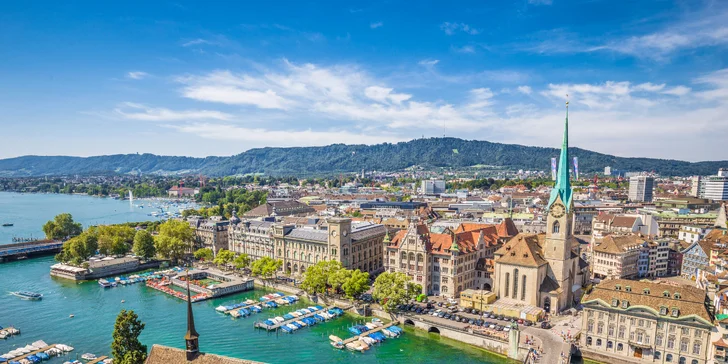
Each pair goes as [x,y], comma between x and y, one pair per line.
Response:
[227,182]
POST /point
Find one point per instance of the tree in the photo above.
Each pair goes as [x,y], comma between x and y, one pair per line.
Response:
[79,248]
[356,284]
[204,254]
[265,267]
[125,347]
[242,261]
[61,227]
[174,239]
[316,277]
[224,257]
[144,245]
[394,289]
[338,278]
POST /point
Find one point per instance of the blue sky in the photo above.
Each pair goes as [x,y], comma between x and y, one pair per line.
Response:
[644,78]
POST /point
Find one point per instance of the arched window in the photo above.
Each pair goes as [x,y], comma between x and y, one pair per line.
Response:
[404,256]
[668,358]
[610,344]
[515,283]
[555,227]
[599,342]
[588,341]
[682,360]
[508,282]
[523,288]
[412,256]
[657,355]
[620,347]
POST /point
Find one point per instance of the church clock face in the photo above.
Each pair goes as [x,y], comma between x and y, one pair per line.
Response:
[333,233]
[557,210]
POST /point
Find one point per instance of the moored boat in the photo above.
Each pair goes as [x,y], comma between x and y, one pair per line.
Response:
[26,295]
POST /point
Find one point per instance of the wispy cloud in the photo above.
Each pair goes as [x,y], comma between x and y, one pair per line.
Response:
[540,2]
[428,62]
[463,49]
[376,25]
[136,75]
[526,90]
[198,41]
[134,111]
[452,28]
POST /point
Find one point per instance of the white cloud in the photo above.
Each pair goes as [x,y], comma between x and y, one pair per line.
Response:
[384,95]
[376,25]
[198,41]
[134,111]
[464,49]
[429,62]
[647,86]
[677,91]
[283,138]
[136,75]
[540,2]
[452,28]
[526,90]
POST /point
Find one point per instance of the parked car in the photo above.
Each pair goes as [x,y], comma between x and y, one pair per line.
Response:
[441,314]
[545,325]
[439,304]
[476,311]
[520,321]
[527,323]
[471,322]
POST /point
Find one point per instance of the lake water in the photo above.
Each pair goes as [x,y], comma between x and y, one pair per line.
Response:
[28,212]
[95,308]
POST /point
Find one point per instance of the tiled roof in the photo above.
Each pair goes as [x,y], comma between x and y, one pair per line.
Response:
[619,244]
[689,301]
[507,228]
[522,249]
[166,355]
[368,231]
[308,234]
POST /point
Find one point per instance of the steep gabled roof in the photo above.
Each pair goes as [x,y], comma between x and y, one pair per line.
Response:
[522,249]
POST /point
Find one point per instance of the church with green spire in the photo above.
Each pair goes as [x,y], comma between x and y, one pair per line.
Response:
[545,270]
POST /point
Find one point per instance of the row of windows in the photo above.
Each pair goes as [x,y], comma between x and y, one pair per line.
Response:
[657,355]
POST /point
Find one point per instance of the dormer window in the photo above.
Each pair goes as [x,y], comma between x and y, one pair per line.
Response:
[666,294]
[628,288]
[675,312]
[618,287]
[615,302]
[625,304]
[646,291]
[677,295]
[663,310]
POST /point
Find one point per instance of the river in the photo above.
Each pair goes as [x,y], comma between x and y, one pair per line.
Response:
[95,308]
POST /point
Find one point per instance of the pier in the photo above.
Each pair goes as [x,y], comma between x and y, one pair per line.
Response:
[29,249]
[98,360]
[33,353]
[261,303]
[277,325]
[380,328]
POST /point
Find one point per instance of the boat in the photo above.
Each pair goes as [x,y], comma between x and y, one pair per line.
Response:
[104,283]
[28,295]
[88,356]
[7,224]
[336,342]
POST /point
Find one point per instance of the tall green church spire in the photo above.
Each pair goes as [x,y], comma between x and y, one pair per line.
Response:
[563,186]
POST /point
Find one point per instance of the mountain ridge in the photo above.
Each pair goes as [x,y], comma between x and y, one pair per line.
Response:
[341,158]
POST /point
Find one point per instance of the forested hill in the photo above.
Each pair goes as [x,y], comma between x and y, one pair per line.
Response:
[308,161]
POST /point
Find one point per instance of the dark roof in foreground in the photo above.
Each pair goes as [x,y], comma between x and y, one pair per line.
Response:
[166,355]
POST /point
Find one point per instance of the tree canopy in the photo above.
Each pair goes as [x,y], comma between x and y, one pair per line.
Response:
[393,289]
[331,274]
[205,254]
[224,257]
[174,239]
[265,267]
[61,227]
[356,284]
[79,248]
[242,261]
[126,347]
[144,245]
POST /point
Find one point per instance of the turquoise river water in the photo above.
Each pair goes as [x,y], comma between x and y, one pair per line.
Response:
[95,308]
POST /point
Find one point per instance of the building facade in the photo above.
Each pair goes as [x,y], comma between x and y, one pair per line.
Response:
[251,237]
[647,322]
[640,188]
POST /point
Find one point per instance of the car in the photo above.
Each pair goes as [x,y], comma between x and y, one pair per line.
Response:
[441,314]
[492,316]
[520,321]
[476,312]
[499,328]
[430,305]
[413,308]
[492,326]
[527,323]
[447,316]
[418,310]
[453,318]
[439,304]
[471,322]
[545,325]
[507,328]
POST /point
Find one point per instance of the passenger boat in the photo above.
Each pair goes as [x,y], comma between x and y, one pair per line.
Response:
[7,224]
[104,283]
[88,356]
[28,295]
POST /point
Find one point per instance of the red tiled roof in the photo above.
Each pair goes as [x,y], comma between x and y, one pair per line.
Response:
[507,228]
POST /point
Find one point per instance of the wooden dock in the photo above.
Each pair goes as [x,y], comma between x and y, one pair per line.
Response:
[355,338]
[98,360]
[276,326]
[19,358]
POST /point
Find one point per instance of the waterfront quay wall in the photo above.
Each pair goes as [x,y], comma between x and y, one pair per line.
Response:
[81,274]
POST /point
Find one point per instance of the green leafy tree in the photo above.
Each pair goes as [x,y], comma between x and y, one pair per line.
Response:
[316,277]
[126,347]
[224,257]
[61,227]
[204,254]
[242,261]
[144,245]
[265,267]
[79,248]
[174,239]
[393,289]
[356,284]
[338,278]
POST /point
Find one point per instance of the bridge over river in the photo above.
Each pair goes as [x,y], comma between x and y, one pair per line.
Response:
[29,249]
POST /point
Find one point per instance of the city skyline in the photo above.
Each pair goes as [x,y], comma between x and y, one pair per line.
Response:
[184,79]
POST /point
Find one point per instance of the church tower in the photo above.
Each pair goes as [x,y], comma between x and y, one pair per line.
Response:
[192,346]
[560,207]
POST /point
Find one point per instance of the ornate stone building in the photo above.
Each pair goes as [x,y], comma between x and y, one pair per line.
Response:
[545,270]
[356,246]
[647,321]
[251,237]
[443,264]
